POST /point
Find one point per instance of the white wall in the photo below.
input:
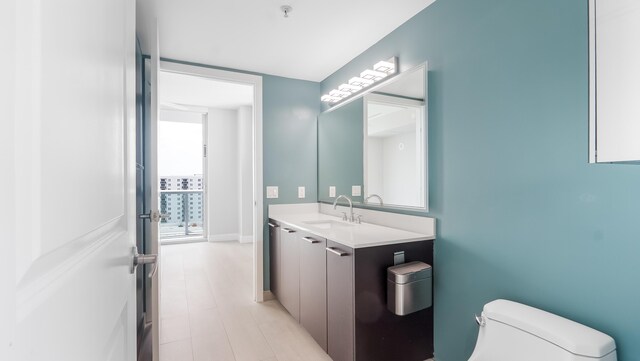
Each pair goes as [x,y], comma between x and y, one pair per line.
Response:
[182,116]
[245,173]
[375,167]
[222,175]
[401,185]
[230,174]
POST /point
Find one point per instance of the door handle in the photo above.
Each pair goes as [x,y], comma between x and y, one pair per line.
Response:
[310,240]
[138,259]
[272,225]
[337,251]
[154,216]
[288,230]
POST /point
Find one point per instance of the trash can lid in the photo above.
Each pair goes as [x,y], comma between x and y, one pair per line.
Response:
[408,272]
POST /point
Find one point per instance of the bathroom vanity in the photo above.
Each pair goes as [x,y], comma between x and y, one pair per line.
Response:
[331,276]
[330,272]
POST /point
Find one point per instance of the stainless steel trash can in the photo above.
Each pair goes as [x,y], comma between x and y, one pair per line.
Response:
[409,287]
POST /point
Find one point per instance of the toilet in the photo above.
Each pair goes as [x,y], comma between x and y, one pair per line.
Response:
[511,331]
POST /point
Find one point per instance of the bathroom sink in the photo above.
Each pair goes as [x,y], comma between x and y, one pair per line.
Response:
[327,224]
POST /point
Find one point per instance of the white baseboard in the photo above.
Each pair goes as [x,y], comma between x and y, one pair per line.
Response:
[246,239]
[268,296]
[224,237]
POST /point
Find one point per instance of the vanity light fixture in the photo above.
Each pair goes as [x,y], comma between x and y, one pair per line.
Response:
[373,75]
[338,93]
[329,98]
[385,66]
[349,88]
[361,82]
[368,77]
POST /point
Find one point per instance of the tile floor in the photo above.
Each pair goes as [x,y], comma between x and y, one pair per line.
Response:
[207,312]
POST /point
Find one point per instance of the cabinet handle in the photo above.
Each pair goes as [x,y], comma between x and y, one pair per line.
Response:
[288,230]
[337,251]
[273,225]
[310,240]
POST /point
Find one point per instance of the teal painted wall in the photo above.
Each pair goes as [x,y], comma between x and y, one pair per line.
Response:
[340,144]
[521,214]
[290,110]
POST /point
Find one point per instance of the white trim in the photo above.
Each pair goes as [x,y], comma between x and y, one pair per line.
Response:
[226,237]
[592,82]
[245,239]
[182,240]
[187,108]
[230,237]
[205,172]
[268,296]
[424,145]
[256,82]
[393,100]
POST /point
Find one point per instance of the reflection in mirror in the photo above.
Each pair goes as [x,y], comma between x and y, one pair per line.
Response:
[395,151]
[376,145]
[395,142]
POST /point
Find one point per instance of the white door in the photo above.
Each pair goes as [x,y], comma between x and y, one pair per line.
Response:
[68,154]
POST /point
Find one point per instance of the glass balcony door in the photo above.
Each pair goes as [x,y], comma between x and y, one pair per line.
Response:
[181,145]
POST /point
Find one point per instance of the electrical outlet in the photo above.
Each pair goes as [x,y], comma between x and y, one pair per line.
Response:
[332,191]
[356,191]
[272,192]
[300,192]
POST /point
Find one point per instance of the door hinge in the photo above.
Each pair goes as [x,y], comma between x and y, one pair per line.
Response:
[204,150]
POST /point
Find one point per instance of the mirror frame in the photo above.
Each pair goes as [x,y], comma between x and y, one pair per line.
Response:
[425,121]
[379,98]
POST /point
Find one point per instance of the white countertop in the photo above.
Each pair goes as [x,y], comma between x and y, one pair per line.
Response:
[350,234]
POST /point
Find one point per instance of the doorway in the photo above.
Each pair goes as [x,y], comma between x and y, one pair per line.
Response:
[210,192]
[230,79]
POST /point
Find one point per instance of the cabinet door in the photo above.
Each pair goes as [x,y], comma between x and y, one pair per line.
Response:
[289,285]
[340,316]
[313,287]
[274,257]
[614,80]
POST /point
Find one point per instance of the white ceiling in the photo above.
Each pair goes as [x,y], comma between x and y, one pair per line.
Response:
[317,38]
[178,90]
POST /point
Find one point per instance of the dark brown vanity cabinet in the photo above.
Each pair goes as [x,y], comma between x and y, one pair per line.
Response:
[339,295]
[274,257]
[380,335]
[289,282]
[359,325]
[313,286]
[340,316]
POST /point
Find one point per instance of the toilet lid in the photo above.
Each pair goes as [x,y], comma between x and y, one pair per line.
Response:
[571,336]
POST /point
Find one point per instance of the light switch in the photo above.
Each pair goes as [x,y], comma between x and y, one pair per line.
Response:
[332,191]
[300,192]
[356,191]
[272,191]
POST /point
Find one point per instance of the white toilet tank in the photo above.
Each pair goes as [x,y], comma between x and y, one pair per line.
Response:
[511,331]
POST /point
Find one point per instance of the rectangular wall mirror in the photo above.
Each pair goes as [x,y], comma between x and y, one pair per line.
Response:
[377,144]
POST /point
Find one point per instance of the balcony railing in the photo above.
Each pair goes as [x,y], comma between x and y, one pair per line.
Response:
[185,210]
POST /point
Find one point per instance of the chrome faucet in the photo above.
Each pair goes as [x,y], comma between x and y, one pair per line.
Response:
[335,204]
[375,196]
